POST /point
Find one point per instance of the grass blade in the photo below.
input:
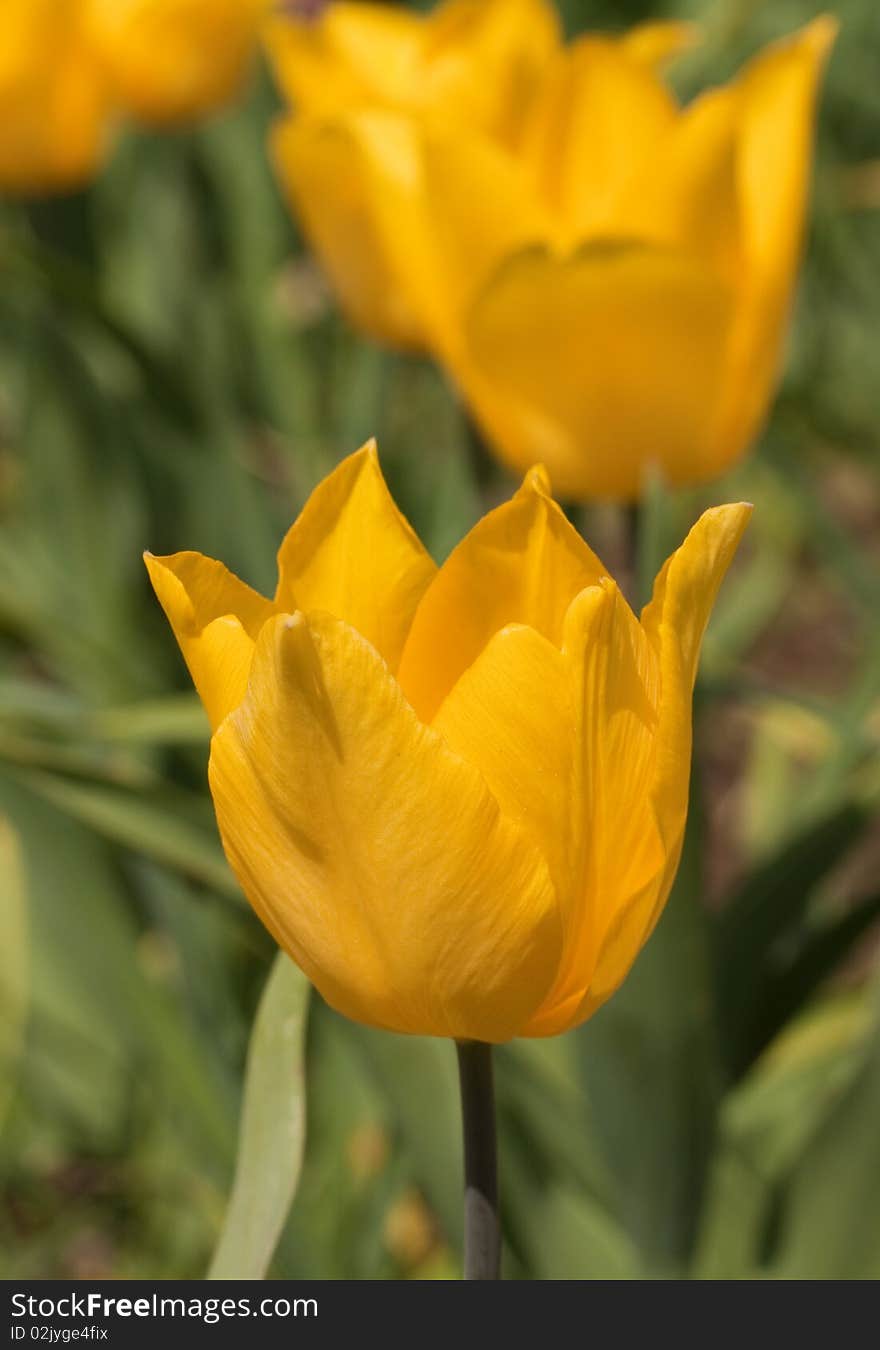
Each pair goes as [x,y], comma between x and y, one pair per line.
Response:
[272,1129]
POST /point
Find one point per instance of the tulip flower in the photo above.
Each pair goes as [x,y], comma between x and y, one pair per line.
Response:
[456,797]
[609,287]
[472,64]
[172,61]
[53,98]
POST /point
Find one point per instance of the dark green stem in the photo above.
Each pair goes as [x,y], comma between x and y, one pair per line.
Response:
[482,1229]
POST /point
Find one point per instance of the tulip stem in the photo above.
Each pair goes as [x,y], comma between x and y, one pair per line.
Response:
[482,1228]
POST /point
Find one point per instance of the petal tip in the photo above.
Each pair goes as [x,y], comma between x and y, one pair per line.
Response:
[731,519]
[538,480]
[740,509]
[366,459]
[821,34]
[157,566]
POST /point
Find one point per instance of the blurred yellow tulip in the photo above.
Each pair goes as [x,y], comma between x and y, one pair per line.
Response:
[609,284]
[455,797]
[470,64]
[171,61]
[53,99]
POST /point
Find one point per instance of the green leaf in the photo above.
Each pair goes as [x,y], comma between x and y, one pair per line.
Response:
[177,719]
[272,1130]
[78,759]
[419,1079]
[141,825]
[14,959]
[785,994]
[538,1087]
[767,1122]
[774,894]
[105,1019]
[577,1240]
[73,286]
[770,906]
[650,1070]
[829,1226]
[44,705]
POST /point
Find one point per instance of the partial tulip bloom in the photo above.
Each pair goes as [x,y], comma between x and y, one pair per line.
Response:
[173,61]
[608,281]
[457,796]
[474,65]
[54,103]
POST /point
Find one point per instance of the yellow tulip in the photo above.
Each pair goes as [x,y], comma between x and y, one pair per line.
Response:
[472,64]
[53,99]
[171,61]
[455,796]
[608,288]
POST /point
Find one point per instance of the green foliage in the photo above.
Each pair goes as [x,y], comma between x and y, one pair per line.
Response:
[173,375]
[14,961]
[272,1130]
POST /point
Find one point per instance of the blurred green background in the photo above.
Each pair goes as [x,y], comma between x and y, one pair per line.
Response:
[173,374]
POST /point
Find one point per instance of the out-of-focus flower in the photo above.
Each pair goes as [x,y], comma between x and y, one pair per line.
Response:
[474,65]
[608,287]
[53,98]
[456,797]
[171,61]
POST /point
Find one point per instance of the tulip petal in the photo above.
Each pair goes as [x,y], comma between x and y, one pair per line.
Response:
[619,854]
[337,174]
[351,52]
[689,194]
[378,858]
[628,368]
[446,252]
[674,622]
[216,619]
[415,190]
[521,564]
[676,616]
[475,61]
[352,553]
[511,715]
[597,123]
[168,63]
[484,60]
[565,741]
[778,92]
[777,108]
[54,102]
[655,44]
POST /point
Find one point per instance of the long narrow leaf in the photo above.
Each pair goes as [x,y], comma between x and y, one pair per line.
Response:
[786,994]
[272,1129]
[14,965]
[141,825]
[770,906]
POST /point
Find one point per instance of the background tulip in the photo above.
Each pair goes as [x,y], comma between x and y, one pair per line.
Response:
[53,98]
[610,289]
[170,61]
[471,64]
[457,797]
